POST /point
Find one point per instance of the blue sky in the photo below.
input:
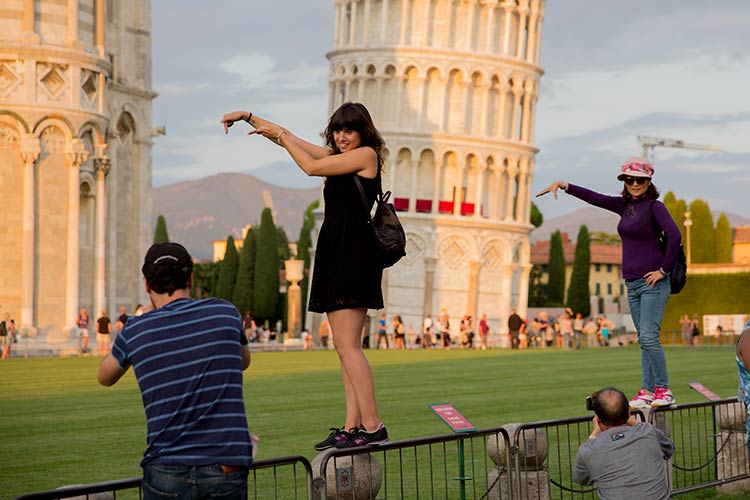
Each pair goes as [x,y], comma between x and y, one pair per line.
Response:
[613,70]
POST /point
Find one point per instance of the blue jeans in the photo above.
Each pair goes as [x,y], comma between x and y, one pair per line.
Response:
[647,310]
[184,482]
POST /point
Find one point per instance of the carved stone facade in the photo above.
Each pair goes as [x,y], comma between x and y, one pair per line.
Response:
[75,159]
[452,85]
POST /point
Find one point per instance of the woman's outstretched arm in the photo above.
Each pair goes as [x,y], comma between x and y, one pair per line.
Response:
[611,203]
[255,121]
[362,160]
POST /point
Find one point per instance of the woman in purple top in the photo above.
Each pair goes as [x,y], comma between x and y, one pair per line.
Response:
[645,268]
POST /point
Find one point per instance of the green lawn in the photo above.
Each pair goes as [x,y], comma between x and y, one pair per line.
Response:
[60,427]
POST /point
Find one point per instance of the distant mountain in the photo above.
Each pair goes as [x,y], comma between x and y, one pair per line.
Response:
[597,219]
[212,208]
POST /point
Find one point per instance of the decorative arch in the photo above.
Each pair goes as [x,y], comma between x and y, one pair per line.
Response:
[58,122]
[15,119]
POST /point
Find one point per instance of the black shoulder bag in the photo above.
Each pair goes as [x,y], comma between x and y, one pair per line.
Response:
[388,231]
[678,275]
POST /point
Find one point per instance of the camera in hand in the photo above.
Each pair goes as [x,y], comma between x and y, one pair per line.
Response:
[589,403]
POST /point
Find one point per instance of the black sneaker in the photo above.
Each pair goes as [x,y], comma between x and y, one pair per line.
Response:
[364,438]
[337,435]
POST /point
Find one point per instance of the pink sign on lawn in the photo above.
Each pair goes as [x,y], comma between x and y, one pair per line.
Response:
[704,391]
[452,417]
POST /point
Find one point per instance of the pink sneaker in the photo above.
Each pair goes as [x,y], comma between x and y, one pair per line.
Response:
[662,397]
[641,400]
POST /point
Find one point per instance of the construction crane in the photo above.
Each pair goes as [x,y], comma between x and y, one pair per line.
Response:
[648,142]
[269,203]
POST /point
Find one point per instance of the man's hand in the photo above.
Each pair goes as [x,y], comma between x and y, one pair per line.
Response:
[597,427]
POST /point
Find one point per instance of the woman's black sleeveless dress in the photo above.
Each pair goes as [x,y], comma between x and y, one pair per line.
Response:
[347,270]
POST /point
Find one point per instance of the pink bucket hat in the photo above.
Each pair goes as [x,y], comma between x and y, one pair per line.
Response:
[636,166]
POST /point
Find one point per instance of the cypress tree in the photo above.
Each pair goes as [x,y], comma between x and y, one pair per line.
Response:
[267,265]
[701,233]
[284,251]
[228,271]
[243,285]
[536,217]
[723,239]
[578,291]
[160,233]
[676,208]
[303,252]
[556,271]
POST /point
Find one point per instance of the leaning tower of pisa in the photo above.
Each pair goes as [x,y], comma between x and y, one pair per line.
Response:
[75,159]
[452,85]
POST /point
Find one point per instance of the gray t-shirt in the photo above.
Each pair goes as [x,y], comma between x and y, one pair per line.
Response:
[625,462]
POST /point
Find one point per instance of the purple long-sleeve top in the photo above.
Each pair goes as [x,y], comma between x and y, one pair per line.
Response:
[640,243]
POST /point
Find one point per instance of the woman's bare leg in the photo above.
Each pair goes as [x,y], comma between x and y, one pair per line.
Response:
[353,416]
[346,325]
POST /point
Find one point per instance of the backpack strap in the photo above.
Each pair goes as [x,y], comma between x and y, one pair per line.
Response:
[363,196]
[657,229]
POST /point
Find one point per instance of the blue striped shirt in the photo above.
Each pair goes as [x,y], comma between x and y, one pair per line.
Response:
[187,359]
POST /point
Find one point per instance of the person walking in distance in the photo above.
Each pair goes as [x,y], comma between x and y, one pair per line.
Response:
[514,327]
[83,331]
[382,332]
[324,332]
[103,330]
[188,357]
[484,330]
[645,268]
[348,267]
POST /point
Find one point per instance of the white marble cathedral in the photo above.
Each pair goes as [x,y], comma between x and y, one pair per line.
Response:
[452,85]
[75,159]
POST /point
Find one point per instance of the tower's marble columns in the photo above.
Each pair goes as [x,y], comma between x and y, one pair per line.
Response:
[506,292]
[523,13]
[507,6]
[101,168]
[511,174]
[458,199]
[479,198]
[429,285]
[517,90]
[413,190]
[523,290]
[472,300]
[30,149]
[74,157]
[521,198]
[436,187]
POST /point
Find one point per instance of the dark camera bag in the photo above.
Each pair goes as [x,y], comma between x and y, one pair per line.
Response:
[678,275]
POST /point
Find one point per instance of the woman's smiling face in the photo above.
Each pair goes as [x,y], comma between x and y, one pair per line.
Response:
[346,139]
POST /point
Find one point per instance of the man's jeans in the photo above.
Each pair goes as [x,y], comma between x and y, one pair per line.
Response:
[647,309]
[184,482]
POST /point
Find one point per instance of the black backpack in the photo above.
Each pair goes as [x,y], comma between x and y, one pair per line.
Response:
[389,233]
[678,276]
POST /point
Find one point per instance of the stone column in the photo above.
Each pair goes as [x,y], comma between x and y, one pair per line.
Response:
[74,157]
[459,197]
[521,193]
[531,40]
[413,189]
[506,292]
[30,149]
[472,299]
[490,25]
[429,286]
[366,24]
[71,38]
[502,95]
[101,168]
[517,90]
[404,16]
[479,198]
[436,187]
[470,30]
[421,111]
[100,32]
[523,12]
[486,87]
[353,23]
[383,20]
[28,35]
[294,268]
[523,291]
[508,6]
[511,172]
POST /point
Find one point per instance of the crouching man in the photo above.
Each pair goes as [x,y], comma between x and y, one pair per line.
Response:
[188,357]
[624,457]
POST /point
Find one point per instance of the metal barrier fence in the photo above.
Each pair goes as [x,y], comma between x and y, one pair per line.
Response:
[281,478]
[527,461]
[456,466]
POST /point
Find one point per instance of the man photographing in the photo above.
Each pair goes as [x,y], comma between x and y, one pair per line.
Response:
[624,457]
[188,357]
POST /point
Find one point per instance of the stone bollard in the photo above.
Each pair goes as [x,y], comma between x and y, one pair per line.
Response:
[732,459]
[533,448]
[345,479]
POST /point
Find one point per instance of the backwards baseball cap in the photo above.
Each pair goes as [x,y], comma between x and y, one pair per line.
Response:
[636,166]
[166,259]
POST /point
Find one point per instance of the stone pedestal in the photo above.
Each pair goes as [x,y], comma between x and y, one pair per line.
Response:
[530,457]
[732,459]
[346,479]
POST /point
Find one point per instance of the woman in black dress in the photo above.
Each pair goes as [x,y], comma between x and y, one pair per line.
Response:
[347,271]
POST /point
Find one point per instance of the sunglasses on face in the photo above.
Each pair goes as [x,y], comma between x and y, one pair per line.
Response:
[635,180]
